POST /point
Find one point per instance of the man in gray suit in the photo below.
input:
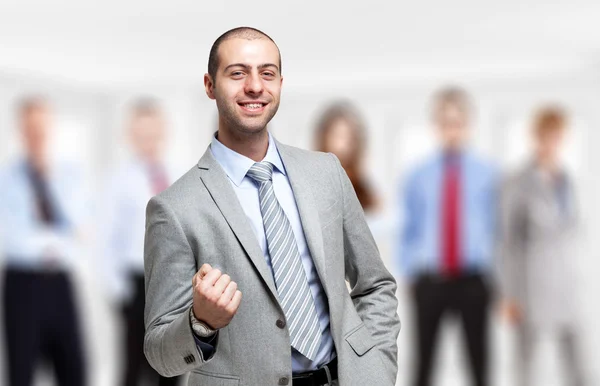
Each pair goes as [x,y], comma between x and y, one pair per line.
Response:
[283,226]
[539,229]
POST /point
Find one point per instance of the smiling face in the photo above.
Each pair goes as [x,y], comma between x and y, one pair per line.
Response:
[549,133]
[35,122]
[247,85]
[452,125]
[147,134]
[341,139]
[549,142]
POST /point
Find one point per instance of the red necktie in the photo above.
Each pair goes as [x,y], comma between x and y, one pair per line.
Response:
[451,218]
[158,179]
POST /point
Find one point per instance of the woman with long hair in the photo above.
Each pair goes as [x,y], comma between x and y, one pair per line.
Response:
[341,130]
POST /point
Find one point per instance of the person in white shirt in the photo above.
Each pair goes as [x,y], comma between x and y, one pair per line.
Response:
[122,230]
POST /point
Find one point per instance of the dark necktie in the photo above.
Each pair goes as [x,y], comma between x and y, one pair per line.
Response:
[46,209]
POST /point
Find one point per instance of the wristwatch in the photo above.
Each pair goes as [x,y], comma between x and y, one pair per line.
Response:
[200,328]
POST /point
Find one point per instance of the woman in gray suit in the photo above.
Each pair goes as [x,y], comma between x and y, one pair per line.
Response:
[538,269]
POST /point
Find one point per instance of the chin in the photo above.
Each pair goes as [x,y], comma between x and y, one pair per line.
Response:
[252,125]
[251,128]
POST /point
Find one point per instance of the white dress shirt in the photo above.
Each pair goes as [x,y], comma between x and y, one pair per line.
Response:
[122,219]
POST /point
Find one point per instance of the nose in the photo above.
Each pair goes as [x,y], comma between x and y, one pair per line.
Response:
[254,85]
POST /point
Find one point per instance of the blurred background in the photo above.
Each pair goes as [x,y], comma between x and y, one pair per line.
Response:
[92,63]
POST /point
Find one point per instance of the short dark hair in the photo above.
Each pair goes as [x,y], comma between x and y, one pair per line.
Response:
[247,33]
[549,119]
[145,106]
[452,95]
[31,103]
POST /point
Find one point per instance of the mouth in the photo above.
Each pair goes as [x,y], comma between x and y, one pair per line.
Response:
[253,107]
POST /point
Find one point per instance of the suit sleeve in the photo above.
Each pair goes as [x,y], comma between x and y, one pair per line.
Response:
[513,233]
[373,288]
[411,230]
[169,343]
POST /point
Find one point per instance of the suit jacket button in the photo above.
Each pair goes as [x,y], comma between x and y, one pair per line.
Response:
[281,324]
[284,381]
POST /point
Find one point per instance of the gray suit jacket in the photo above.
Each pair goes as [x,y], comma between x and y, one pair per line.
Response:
[200,220]
[539,249]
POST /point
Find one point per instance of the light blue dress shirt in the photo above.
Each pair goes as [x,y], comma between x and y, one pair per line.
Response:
[236,166]
[420,249]
[28,243]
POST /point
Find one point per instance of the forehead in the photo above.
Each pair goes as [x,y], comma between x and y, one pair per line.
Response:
[35,113]
[451,109]
[36,107]
[145,123]
[341,125]
[249,52]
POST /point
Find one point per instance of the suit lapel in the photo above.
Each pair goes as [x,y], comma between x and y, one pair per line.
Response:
[215,180]
[307,208]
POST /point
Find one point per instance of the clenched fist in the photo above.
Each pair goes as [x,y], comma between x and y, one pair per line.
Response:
[216,297]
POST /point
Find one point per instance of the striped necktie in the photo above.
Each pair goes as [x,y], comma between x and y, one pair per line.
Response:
[290,278]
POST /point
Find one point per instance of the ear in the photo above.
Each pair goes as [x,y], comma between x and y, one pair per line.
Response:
[209,86]
[281,81]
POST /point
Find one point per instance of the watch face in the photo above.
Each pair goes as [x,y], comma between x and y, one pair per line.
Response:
[200,328]
[204,331]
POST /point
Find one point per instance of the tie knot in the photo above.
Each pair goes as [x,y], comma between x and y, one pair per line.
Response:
[261,172]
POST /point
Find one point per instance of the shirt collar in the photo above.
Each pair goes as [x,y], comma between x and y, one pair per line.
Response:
[237,165]
[446,157]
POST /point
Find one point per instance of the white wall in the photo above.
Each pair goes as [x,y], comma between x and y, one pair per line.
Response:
[90,130]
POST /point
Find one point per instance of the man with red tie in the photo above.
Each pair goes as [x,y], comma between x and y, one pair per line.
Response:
[448,237]
[122,231]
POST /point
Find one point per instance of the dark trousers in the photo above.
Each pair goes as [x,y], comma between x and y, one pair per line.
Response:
[468,298]
[41,323]
[137,368]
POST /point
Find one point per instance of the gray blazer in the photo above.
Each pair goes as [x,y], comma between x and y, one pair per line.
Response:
[539,248]
[200,220]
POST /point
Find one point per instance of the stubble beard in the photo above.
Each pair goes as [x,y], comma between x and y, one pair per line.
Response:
[237,126]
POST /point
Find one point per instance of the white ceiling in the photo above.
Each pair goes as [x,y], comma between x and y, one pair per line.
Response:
[137,42]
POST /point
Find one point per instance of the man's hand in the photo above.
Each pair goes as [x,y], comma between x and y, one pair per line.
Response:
[511,311]
[216,297]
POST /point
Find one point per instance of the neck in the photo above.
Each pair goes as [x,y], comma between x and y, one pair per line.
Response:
[251,145]
[453,149]
[149,159]
[547,163]
[39,163]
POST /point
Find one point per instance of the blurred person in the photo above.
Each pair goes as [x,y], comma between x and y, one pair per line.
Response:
[341,131]
[447,240]
[41,215]
[123,220]
[207,241]
[538,269]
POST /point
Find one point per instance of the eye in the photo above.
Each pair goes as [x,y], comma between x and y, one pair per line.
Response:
[268,74]
[237,74]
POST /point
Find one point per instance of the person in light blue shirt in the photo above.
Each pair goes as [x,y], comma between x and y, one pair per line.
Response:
[42,210]
[421,199]
[448,238]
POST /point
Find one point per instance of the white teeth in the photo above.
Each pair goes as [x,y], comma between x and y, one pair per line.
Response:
[253,106]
